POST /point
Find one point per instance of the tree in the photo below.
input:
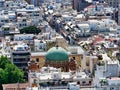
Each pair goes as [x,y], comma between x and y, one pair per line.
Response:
[102,82]
[4,61]
[2,77]
[30,30]
[13,74]
[9,73]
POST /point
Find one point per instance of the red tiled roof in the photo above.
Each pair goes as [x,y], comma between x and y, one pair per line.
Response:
[91,6]
[98,39]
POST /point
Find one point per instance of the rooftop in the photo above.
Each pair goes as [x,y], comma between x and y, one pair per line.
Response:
[38,53]
[57,54]
[115,78]
[15,86]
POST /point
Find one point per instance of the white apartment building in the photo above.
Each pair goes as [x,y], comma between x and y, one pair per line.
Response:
[2,4]
[113,3]
[3,19]
[7,16]
[22,22]
[119,14]
[48,76]
[24,37]
[83,29]
[109,84]
[107,74]
[13,5]
[113,83]
[104,25]
[39,45]
[33,12]
[10,28]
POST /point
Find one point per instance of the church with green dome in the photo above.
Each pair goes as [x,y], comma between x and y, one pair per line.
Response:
[57,57]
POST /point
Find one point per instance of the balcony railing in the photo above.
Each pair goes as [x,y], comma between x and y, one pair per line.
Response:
[19,56]
[17,62]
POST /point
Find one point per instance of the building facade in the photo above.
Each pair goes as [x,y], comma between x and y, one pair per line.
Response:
[20,56]
[119,13]
[80,4]
[16,86]
[75,56]
[113,3]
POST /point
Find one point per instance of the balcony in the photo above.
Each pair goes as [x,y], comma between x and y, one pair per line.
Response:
[21,53]
[21,65]
[20,56]
[19,62]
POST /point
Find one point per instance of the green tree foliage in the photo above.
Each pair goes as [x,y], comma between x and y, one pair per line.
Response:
[13,74]
[4,61]
[9,73]
[2,77]
[30,30]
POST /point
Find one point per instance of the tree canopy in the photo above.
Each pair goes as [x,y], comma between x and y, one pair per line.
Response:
[30,30]
[9,73]
[4,61]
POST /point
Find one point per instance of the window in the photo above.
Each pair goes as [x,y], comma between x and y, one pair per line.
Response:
[25,24]
[82,57]
[74,58]
[111,88]
[2,21]
[110,3]
[24,20]
[87,64]
[83,82]
[37,59]
[20,25]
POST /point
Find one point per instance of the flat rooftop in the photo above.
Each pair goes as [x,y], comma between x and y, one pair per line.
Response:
[115,78]
[38,53]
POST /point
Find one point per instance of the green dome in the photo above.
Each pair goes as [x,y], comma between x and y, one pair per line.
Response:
[56,54]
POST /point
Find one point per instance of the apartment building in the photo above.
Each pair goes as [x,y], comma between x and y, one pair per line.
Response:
[20,56]
[113,3]
[32,12]
[119,13]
